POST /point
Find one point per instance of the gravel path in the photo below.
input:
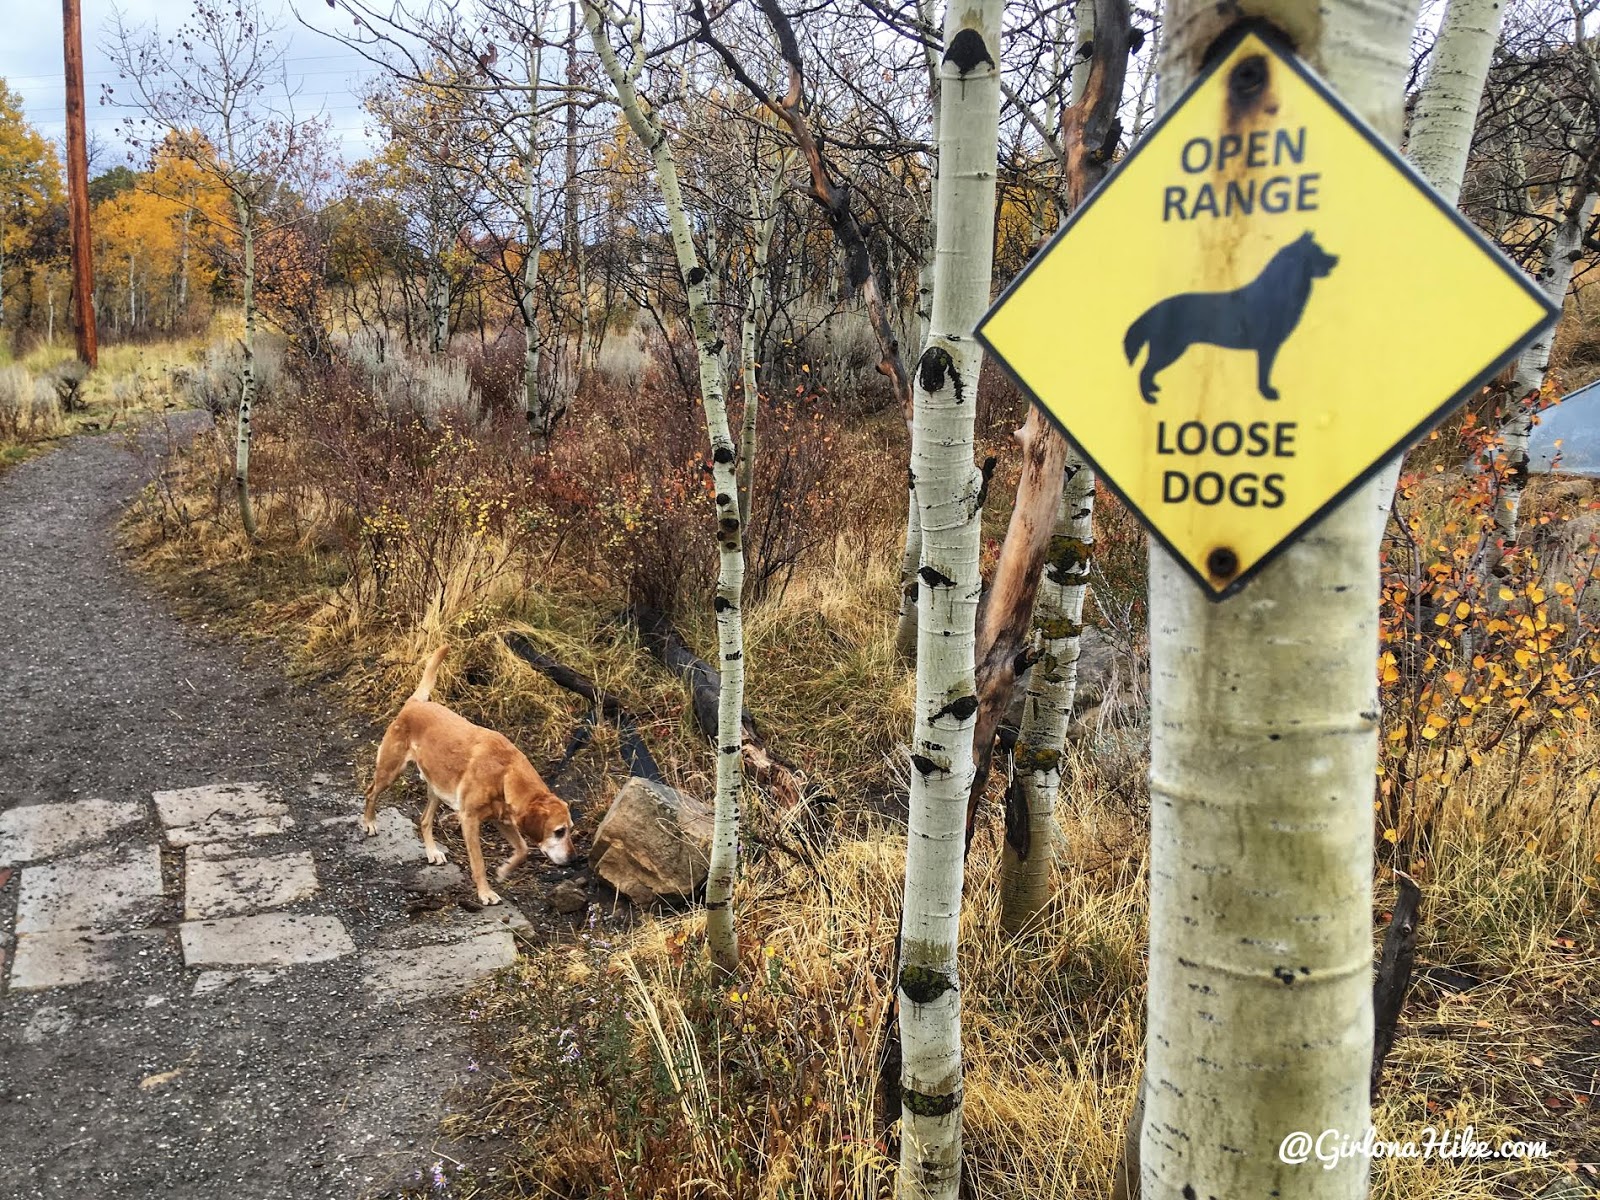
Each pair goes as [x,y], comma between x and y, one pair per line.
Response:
[221,990]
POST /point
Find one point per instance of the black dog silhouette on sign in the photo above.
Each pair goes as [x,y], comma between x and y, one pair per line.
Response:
[1260,316]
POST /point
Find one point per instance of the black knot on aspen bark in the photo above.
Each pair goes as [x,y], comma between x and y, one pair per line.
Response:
[960,708]
[926,766]
[935,365]
[716,346]
[728,527]
[722,454]
[934,578]
[1188,1192]
[1283,975]
[724,499]
[697,275]
[967,51]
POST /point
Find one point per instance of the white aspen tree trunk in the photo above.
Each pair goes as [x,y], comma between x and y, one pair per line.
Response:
[247,373]
[1447,108]
[1441,130]
[574,200]
[1563,249]
[763,219]
[947,489]
[721,933]
[183,260]
[438,306]
[1047,705]
[1264,749]
[905,636]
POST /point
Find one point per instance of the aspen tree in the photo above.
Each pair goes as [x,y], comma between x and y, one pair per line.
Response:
[1264,749]
[763,216]
[905,632]
[1047,705]
[1442,126]
[721,934]
[948,488]
[1040,534]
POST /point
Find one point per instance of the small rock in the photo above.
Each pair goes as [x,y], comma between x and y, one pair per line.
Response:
[568,897]
[654,843]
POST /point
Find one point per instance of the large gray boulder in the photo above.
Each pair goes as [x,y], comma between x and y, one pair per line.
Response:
[654,843]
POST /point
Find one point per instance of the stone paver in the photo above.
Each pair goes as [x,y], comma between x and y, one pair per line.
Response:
[220,812]
[214,981]
[103,889]
[39,831]
[64,958]
[453,923]
[225,887]
[270,939]
[396,841]
[438,969]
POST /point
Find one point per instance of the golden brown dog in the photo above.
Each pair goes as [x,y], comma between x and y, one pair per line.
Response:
[477,772]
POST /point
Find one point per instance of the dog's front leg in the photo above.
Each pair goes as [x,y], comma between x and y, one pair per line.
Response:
[519,850]
[425,827]
[471,828]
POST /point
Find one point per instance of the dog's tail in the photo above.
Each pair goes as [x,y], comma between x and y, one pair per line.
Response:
[1135,339]
[429,674]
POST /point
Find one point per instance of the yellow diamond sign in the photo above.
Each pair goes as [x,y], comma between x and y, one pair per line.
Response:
[1261,305]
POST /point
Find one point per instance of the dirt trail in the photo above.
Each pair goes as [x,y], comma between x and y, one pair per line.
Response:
[212,984]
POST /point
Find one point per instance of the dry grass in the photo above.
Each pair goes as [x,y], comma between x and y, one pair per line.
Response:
[623,1067]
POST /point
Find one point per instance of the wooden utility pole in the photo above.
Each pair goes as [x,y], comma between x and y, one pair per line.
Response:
[78,186]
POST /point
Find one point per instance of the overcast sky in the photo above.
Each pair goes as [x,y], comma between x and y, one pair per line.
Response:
[325,74]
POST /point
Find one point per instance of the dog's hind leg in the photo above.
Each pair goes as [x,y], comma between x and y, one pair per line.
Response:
[425,828]
[391,761]
[471,833]
[519,849]
[1264,360]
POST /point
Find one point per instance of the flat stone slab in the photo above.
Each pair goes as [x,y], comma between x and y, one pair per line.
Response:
[215,981]
[439,970]
[40,831]
[270,939]
[103,889]
[220,812]
[436,877]
[65,958]
[224,887]
[396,841]
[453,923]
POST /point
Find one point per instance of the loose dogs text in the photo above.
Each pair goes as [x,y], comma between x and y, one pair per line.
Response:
[1225,439]
[1256,151]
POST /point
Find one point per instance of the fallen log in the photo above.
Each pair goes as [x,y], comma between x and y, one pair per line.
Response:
[635,754]
[705,688]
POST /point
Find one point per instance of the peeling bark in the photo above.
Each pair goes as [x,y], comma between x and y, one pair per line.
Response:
[1090,134]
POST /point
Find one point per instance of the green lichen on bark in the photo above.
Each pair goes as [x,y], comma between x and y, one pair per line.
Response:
[925,1105]
[1030,758]
[1067,559]
[924,985]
